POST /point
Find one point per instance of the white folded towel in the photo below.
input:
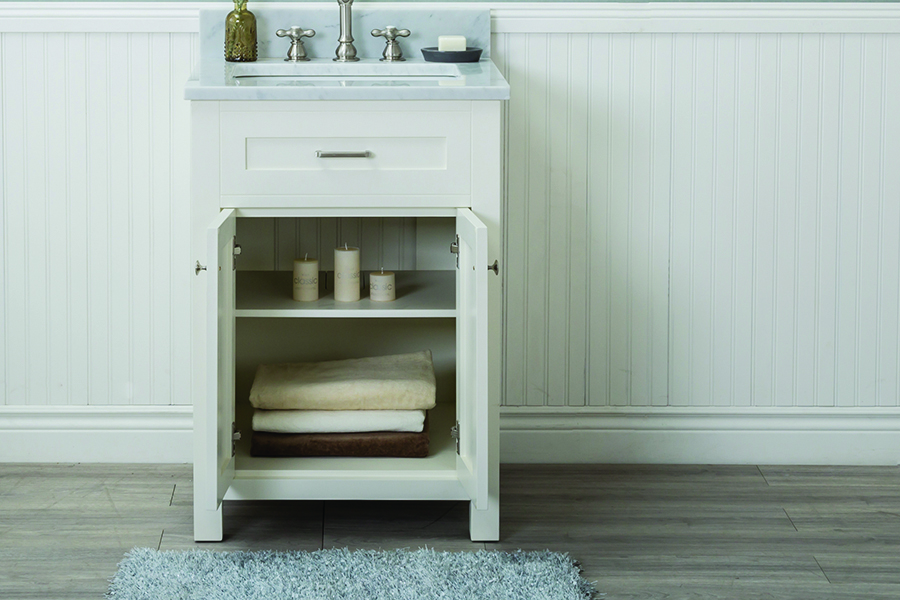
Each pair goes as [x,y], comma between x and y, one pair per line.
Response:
[337,421]
[399,382]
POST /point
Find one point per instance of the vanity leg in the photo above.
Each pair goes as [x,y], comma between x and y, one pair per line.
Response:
[484,525]
[207,524]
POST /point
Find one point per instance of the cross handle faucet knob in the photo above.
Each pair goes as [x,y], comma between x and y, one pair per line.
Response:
[390,33]
[392,51]
[296,34]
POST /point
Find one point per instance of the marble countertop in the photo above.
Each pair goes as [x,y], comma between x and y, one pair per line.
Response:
[320,79]
[272,78]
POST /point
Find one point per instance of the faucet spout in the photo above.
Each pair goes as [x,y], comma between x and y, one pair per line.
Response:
[346,51]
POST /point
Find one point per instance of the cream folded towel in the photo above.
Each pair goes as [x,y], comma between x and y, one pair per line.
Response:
[338,421]
[399,382]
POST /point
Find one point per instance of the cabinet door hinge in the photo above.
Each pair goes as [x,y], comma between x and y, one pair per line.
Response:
[235,436]
[454,434]
[454,249]
[236,252]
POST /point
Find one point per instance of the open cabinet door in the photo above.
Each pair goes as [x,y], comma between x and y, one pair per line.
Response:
[472,402]
[215,420]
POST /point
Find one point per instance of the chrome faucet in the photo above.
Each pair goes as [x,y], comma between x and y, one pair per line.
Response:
[346,51]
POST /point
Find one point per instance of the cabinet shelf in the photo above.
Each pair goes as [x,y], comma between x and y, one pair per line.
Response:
[432,477]
[420,294]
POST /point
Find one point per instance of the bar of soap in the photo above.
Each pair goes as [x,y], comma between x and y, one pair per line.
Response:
[451,43]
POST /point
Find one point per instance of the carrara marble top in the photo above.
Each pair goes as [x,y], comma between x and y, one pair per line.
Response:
[272,78]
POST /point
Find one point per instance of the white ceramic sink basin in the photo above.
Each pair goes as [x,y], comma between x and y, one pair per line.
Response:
[333,71]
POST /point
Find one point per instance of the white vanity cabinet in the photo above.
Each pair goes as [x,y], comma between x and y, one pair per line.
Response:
[427,162]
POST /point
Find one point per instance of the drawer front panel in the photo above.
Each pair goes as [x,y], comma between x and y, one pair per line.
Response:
[369,153]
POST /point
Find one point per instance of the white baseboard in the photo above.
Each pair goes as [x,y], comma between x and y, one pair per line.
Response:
[815,436]
[812,436]
[96,434]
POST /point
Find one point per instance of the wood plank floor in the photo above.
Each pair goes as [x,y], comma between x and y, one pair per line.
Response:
[674,532]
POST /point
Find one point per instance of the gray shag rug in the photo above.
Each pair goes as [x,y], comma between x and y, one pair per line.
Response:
[146,574]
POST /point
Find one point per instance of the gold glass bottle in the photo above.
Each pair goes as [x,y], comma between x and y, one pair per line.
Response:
[240,34]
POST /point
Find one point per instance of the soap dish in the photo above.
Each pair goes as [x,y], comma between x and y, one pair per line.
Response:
[452,56]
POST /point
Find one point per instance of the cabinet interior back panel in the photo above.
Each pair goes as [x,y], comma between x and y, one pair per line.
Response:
[394,243]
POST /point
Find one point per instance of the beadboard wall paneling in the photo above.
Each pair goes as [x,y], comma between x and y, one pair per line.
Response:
[702,219]
[697,214]
[586,218]
[96,218]
[785,224]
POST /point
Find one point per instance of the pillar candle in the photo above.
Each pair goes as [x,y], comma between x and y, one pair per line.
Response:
[382,287]
[306,279]
[346,274]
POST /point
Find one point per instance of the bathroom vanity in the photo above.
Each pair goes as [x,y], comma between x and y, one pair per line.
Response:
[402,159]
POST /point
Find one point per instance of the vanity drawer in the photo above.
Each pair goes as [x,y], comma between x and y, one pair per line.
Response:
[331,157]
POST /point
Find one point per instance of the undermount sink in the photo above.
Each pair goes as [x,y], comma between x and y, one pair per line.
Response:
[327,70]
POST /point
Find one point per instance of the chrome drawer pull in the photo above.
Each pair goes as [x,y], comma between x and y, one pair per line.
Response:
[323,154]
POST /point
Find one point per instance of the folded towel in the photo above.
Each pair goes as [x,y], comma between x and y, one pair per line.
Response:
[399,382]
[337,421]
[382,443]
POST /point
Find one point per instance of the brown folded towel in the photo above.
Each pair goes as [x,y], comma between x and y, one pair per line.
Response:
[378,443]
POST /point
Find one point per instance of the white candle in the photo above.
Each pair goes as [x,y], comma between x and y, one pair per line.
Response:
[306,279]
[346,274]
[448,43]
[382,287]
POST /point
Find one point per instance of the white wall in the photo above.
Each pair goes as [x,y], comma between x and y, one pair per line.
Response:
[702,232]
